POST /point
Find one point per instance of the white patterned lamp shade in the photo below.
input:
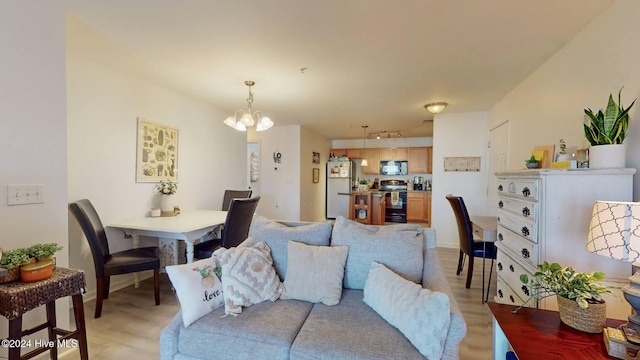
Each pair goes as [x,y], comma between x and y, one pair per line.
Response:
[614,232]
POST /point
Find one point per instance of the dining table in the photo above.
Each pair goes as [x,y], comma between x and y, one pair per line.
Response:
[188,226]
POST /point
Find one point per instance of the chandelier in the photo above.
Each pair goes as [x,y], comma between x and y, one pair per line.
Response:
[384,133]
[248,118]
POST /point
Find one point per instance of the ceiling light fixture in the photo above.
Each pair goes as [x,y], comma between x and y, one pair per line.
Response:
[248,118]
[382,133]
[436,107]
[364,161]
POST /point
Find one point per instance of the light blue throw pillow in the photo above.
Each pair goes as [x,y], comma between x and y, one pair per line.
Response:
[421,315]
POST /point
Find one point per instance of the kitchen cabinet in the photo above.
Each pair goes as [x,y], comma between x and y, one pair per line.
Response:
[373,159]
[420,159]
[338,152]
[360,207]
[544,216]
[395,154]
[416,206]
[378,211]
[354,153]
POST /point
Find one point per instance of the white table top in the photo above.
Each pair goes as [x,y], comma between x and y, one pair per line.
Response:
[185,222]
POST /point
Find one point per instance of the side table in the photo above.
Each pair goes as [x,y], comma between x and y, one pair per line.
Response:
[16,298]
[539,334]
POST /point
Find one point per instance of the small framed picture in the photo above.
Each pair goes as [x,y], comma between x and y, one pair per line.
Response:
[316,157]
[316,175]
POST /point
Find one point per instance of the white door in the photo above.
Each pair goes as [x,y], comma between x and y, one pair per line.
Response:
[499,160]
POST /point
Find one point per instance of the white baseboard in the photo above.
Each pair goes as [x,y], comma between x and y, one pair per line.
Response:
[118,282]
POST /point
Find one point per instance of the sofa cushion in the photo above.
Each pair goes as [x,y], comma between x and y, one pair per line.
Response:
[248,276]
[277,235]
[265,330]
[315,273]
[350,330]
[399,247]
[420,314]
[198,289]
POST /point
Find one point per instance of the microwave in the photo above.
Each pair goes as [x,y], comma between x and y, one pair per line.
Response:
[394,167]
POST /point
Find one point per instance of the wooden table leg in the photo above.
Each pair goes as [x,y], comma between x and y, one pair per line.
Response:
[51,324]
[15,335]
[78,310]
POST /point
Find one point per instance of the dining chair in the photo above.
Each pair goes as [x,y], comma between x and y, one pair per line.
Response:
[236,228]
[107,263]
[471,247]
[234,194]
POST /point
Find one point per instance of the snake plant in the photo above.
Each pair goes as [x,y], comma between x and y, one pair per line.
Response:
[609,127]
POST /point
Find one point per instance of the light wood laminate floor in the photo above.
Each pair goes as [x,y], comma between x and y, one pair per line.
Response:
[130,324]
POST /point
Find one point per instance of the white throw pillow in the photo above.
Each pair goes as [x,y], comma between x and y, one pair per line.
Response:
[248,276]
[198,288]
[314,273]
[420,314]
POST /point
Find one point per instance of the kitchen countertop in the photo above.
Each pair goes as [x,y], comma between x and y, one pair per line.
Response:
[373,192]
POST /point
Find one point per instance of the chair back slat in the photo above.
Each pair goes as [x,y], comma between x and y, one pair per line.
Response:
[234,194]
[238,222]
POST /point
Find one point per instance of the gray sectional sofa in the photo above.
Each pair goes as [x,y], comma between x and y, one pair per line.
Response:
[294,329]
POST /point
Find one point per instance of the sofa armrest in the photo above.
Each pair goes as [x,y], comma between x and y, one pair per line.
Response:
[433,279]
[169,338]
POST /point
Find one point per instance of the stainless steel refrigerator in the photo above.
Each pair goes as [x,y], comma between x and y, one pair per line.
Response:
[340,179]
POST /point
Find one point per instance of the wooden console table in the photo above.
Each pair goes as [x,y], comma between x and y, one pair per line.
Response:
[539,334]
[17,297]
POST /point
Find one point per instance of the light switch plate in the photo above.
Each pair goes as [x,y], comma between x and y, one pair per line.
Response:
[25,194]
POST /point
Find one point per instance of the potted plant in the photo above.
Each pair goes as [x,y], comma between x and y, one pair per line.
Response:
[363,185]
[43,251]
[606,132]
[12,260]
[531,162]
[578,293]
[167,188]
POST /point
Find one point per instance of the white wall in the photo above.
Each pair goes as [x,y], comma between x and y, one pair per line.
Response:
[33,135]
[312,195]
[549,104]
[458,135]
[103,105]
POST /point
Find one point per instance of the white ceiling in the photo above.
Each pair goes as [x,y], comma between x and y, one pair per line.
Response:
[368,62]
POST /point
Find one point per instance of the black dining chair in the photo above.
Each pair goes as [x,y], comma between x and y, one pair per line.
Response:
[107,263]
[234,194]
[469,246]
[236,228]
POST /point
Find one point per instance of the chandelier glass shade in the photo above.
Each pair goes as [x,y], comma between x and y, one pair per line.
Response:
[242,119]
[436,107]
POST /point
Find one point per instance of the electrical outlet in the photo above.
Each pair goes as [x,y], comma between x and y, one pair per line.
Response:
[25,194]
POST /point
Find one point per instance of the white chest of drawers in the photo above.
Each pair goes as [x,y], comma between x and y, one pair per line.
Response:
[543,215]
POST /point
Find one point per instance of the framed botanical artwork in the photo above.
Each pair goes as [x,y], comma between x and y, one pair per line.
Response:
[316,175]
[157,152]
[316,157]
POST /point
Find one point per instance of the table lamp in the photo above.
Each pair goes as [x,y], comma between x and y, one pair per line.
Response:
[614,232]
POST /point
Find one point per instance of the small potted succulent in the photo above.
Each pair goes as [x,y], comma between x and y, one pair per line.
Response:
[532,162]
[363,185]
[43,251]
[579,295]
[12,260]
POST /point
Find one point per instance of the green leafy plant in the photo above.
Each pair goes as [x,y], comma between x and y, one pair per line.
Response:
[364,182]
[553,279]
[43,250]
[14,258]
[531,160]
[609,127]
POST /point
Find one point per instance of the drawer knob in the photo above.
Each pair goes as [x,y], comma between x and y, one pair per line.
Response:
[499,266]
[512,188]
[500,294]
[526,192]
[500,204]
[498,218]
[526,212]
[500,237]
[525,231]
[525,253]
[512,299]
[512,268]
[525,290]
[499,187]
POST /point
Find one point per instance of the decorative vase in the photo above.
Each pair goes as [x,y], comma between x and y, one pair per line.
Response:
[166,205]
[532,165]
[590,320]
[37,271]
[362,187]
[607,156]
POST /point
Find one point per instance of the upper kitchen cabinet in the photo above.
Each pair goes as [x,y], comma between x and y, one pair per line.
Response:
[394,154]
[373,159]
[338,152]
[420,160]
[354,153]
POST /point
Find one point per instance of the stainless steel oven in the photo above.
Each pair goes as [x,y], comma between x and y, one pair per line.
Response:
[395,199]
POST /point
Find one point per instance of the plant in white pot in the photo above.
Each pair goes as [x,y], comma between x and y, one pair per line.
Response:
[578,293]
[606,132]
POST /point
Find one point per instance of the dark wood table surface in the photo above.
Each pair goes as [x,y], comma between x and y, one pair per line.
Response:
[539,334]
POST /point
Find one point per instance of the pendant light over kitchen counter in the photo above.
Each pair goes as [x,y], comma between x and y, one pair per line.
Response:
[364,161]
